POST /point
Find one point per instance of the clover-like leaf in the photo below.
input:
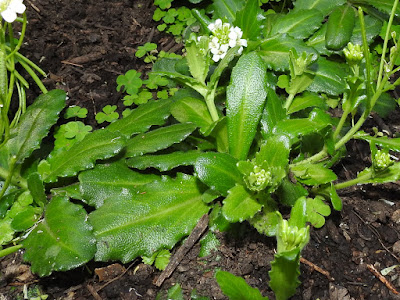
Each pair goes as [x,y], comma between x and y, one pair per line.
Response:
[317,210]
[75,111]
[108,114]
[154,81]
[63,241]
[68,134]
[130,82]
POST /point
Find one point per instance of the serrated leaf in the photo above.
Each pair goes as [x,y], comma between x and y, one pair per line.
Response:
[236,288]
[227,9]
[240,204]
[218,171]
[100,144]
[299,24]
[329,77]
[274,152]
[312,174]
[197,61]
[140,119]
[164,162]
[63,241]
[390,143]
[275,51]
[110,180]
[391,174]
[36,188]
[249,19]
[324,6]
[285,270]
[383,5]
[246,97]
[267,221]
[158,139]
[158,216]
[192,110]
[34,125]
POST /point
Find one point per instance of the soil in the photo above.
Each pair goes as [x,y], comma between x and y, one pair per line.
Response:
[84,46]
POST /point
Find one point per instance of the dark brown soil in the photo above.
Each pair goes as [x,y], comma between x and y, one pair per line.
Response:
[84,46]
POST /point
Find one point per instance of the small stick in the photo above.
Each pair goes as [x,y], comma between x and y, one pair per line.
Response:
[382,279]
[196,233]
[93,292]
[316,268]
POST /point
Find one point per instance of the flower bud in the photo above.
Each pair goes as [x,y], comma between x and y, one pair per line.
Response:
[382,160]
[353,53]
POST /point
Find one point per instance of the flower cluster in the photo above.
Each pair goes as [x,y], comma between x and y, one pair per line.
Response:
[291,237]
[10,8]
[259,179]
[223,37]
[353,53]
[382,160]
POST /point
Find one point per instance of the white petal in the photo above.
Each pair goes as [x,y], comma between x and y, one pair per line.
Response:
[224,47]
[215,57]
[218,22]
[233,35]
[240,50]
[232,43]
[243,42]
[9,15]
[211,26]
[19,7]
[214,50]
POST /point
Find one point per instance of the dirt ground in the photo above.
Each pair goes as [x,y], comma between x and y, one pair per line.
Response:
[84,46]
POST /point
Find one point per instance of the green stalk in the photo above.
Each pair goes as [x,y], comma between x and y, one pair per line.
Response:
[21,38]
[358,180]
[8,176]
[386,40]
[340,125]
[10,250]
[34,77]
[366,56]
[211,105]
[289,101]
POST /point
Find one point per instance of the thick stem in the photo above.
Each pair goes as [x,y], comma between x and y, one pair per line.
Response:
[359,180]
[289,101]
[8,176]
[340,125]
[211,105]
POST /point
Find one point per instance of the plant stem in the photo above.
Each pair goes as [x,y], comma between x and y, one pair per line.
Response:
[340,125]
[211,105]
[9,178]
[10,250]
[358,180]
[289,101]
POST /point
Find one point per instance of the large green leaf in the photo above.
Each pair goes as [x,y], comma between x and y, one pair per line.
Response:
[34,125]
[158,139]
[340,27]
[249,19]
[246,97]
[110,180]
[240,204]
[274,152]
[272,114]
[63,241]
[227,9]
[141,118]
[192,110]
[156,217]
[236,288]
[382,5]
[275,51]
[100,144]
[218,171]
[299,24]
[164,162]
[373,27]
[306,100]
[329,77]
[324,6]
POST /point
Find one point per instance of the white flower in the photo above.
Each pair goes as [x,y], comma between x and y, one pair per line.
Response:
[10,8]
[219,53]
[215,26]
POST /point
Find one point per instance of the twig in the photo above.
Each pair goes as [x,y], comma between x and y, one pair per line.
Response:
[181,252]
[316,268]
[382,279]
[116,278]
[93,292]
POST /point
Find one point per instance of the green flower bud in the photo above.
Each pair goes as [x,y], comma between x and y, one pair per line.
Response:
[353,53]
[290,237]
[382,160]
[259,179]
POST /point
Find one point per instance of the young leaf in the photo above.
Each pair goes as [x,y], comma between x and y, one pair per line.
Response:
[240,204]
[100,144]
[110,180]
[218,171]
[337,203]
[340,27]
[313,174]
[164,162]
[197,60]
[35,186]
[156,217]
[267,221]
[236,288]
[285,270]
[246,97]
[324,6]
[249,19]
[140,119]
[63,241]
[158,139]
[299,24]
[35,124]
[274,152]
[385,142]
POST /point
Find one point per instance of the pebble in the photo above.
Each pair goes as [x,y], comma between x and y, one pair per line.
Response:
[396,216]
[396,247]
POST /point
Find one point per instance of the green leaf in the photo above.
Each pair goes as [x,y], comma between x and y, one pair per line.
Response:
[227,9]
[337,203]
[158,139]
[100,144]
[130,82]
[306,100]
[164,162]
[246,97]
[175,292]
[63,241]
[250,19]
[312,174]
[107,115]
[25,219]
[75,112]
[236,288]
[208,244]
[274,152]
[383,5]
[324,6]
[36,188]
[329,77]
[340,27]
[317,210]
[285,270]
[142,118]
[267,221]
[156,217]
[317,41]
[110,180]
[373,27]
[275,51]
[198,61]
[299,24]
[35,124]
[272,114]
[383,141]
[192,110]
[289,192]
[240,205]
[218,171]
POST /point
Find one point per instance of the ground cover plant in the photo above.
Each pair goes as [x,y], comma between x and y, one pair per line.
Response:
[245,132]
